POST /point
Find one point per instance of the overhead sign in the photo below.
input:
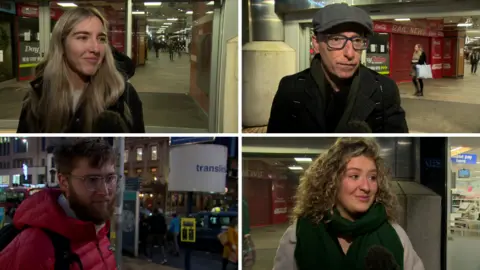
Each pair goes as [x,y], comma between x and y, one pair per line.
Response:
[190,140]
[465,159]
[198,168]
[188,230]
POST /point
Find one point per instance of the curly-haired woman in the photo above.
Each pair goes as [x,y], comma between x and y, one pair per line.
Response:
[344,207]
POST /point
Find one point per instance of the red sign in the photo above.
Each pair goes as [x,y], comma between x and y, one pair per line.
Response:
[279,202]
[448,59]
[31,11]
[436,57]
[405,29]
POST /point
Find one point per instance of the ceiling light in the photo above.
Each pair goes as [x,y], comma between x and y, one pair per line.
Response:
[67,4]
[464,24]
[303,159]
[402,20]
[295,168]
[152,3]
[167,23]
[209,12]
[189,12]
[138,12]
[172,19]
[211,3]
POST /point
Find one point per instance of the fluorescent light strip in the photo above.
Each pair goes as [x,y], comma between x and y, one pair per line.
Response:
[152,3]
[172,19]
[67,4]
[211,3]
[464,24]
[295,168]
[138,12]
[189,12]
[303,159]
[402,20]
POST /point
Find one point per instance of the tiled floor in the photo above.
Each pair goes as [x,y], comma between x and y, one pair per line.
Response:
[448,106]
[163,87]
[266,240]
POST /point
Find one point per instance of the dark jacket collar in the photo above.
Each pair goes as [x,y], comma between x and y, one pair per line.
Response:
[359,104]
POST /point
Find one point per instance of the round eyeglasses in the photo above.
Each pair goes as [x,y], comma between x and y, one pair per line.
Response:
[97,182]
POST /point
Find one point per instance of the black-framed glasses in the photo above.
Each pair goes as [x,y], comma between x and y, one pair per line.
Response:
[338,42]
[96,182]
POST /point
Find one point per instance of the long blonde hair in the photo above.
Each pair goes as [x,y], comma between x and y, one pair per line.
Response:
[417,54]
[317,192]
[55,106]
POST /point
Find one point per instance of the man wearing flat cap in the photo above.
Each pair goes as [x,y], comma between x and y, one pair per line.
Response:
[337,94]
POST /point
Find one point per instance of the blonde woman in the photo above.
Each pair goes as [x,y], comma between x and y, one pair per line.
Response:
[77,87]
[419,58]
[344,207]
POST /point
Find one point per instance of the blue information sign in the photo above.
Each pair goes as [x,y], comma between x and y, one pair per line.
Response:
[465,159]
[2,216]
[190,140]
[132,183]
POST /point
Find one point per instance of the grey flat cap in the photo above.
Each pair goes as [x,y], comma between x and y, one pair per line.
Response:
[335,14]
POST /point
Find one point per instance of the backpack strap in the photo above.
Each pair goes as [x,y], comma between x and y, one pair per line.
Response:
[64,256]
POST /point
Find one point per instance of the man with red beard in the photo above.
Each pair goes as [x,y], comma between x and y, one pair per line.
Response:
[79,211]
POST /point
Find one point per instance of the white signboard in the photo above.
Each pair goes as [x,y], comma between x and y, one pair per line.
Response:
[198,167]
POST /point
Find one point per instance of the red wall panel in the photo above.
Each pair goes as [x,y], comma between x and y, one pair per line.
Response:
[402,50]
[258,192]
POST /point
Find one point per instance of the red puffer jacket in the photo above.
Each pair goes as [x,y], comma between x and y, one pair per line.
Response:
[33,249]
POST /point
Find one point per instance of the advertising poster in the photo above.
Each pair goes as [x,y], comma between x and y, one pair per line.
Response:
[129,220]
[448,66]
[436,59]
[280,209]
[378,53]
[379,62]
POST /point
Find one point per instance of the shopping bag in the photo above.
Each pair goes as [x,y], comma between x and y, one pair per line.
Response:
[424,71]
[223,237]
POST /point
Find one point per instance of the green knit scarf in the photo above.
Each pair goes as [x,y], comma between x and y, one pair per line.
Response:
[318,247]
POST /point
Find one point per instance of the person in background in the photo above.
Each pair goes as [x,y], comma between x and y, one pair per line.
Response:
[78,212]
[344,208]
[175,230]
[77,87]
[143,234]
[157,233]
[419,58]
[474,58]
[232,244]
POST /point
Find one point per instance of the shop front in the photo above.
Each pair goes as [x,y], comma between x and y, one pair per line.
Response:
[269,193]
[7,48]
[27,38]
[393,46]
[463,210]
